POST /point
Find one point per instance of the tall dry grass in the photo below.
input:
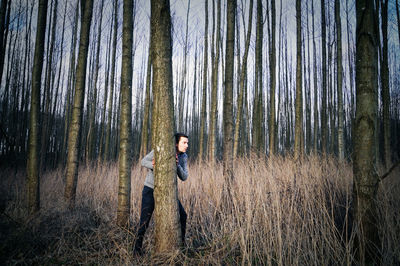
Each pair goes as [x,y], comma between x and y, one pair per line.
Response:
[280,213]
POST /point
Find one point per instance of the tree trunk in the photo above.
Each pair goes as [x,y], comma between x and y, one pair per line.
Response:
[146,118]
[272,70]
[167,225]
[258,121]
[340,138]
[92,119]
[33,180]
[243,79]
[3,36]
[124,189]
[107,150]
[203,112]
[315,74]
[324,123]
[299,96]
[214,88]
[385,85]
[76,120]
[366,180]
[228,94]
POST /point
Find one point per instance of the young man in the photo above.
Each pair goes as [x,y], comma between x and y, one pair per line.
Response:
[181,143]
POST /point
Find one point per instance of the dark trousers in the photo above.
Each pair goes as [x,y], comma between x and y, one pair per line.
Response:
[147,211]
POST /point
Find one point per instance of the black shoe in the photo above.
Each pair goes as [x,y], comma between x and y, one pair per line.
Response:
[138,252]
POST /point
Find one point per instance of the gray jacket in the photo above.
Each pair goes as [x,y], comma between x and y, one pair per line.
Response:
[181,168]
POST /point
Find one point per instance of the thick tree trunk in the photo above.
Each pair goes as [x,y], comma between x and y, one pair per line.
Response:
[77,109]
[366,180]
[167,225]
[33,180]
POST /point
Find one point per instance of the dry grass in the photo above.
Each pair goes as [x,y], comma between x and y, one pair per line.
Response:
[281,213]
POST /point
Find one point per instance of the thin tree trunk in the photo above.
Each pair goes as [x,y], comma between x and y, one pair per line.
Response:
[272,70]
[167,233]
[228,94]
[203,112]
[257,143]
[214,89]
[144,148]
[124,189]
[46,113]
[299,96]
[324,123]
[3,35]
[107,150]
[339,67]
[33,180]
[315,75]
[76,120]
[92,119]
[366,180]
[385,85]
[243,79]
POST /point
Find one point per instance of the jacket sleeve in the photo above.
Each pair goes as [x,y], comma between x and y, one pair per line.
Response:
[147,160]
[181,167]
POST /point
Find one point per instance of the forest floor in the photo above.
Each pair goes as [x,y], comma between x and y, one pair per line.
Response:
[281,213]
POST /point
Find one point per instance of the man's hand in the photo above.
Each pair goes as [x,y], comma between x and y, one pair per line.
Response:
[153,162]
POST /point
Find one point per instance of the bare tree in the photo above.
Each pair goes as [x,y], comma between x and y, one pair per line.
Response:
[76,120]
[366,179]
[167,233]
[33,180]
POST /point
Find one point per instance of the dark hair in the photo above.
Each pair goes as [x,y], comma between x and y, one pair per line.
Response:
[178,137]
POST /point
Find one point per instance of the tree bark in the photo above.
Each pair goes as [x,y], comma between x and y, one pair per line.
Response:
[77,109]
[167,225]
[33,180]
[366,180]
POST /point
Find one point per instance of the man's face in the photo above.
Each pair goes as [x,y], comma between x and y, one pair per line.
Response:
[183,144]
